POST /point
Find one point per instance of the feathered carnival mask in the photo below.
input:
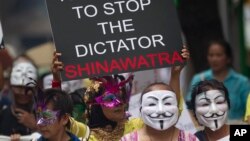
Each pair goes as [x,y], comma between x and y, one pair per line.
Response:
[44,116]
[109,91]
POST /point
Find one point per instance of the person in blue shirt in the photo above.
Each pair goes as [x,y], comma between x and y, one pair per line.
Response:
[53,109]
[220,58]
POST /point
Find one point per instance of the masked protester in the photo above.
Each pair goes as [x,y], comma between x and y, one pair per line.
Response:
[210,105]
[220,60]
[19,118]
[107,100]
[160,112]
[53,108]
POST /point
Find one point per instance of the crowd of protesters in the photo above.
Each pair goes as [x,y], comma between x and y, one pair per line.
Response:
[59,111]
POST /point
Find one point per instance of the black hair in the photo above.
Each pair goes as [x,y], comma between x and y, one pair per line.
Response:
[151,87]
[77,99]
[226,47]
[60,101]
[77,96]
[40,79]
[123,89]
[204,86]
[98,119]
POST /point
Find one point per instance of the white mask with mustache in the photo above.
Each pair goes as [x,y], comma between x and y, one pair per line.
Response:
[211,109]
[21,74]
[159,109]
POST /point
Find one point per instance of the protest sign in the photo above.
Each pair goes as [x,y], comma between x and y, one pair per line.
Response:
[105,37]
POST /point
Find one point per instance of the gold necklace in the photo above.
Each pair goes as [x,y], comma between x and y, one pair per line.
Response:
[107,135]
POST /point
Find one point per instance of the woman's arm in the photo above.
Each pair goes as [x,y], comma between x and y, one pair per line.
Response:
[175,74]
[175,81]
[56,67]
[79,129]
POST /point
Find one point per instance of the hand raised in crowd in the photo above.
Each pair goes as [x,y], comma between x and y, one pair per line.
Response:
[186,56]
[185,53]
[26,118]
[15,137]
[175,72]
[57,66]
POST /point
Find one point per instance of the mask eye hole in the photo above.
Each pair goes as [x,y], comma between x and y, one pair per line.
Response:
[220,102]
[205,105]
[152,104]
[109,97]
[167,104]
[30,71]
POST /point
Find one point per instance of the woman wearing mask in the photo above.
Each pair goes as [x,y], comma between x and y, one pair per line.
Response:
[53,109]
[160,112]
[107,99]
[18,119]
[210,105]
[220,59]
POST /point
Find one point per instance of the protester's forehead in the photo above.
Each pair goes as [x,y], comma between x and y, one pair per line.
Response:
[24,65]
[161,87]
[50,105]
[210,94]
[159,94]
